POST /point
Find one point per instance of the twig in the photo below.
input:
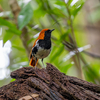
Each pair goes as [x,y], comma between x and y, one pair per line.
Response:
[91,54]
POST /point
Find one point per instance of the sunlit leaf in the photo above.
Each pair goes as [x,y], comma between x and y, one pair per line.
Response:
[69,2]
[25,15]
[61,7]
[60,3]
[76,7]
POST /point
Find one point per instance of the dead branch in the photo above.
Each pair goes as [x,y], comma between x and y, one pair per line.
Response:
[47,84]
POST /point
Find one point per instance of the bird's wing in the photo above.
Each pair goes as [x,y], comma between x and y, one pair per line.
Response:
[32,48]
[33,61]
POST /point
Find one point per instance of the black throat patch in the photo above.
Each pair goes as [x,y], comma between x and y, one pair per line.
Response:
[46,44]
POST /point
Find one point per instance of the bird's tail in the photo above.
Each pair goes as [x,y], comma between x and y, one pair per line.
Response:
[33,62]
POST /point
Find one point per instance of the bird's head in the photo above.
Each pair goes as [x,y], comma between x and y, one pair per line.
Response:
[45,34]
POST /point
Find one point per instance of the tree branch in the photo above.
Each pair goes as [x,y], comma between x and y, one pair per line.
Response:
[48,84]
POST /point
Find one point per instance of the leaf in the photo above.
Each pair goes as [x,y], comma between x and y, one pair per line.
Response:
[76,7]
[30,41]
[59,13]
[12,80]
[7,36]
[25,16]
[52,51]
[19,48]
[61,8]
[76,10]
[90,72]
[59,2]
[69,2]
[40,10]
[12,27]
[63,36]
[57,53]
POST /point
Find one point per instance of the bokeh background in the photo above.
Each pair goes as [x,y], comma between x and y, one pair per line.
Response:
[75,41]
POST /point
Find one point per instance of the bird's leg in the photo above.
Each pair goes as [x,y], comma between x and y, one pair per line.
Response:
[42,63]
[35,62]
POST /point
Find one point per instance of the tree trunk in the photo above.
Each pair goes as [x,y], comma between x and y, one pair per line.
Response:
[47,84]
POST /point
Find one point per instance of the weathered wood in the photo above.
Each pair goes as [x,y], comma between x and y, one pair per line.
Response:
[47,84]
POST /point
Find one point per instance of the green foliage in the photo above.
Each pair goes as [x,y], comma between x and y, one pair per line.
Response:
[19,48]
[25,16]
[91,72]
[64,18]
[61,10]
[11,27]
[76,7]
[65,68]
[7,36]
[57,53]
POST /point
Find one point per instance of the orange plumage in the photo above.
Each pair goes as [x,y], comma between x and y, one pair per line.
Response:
[33,60]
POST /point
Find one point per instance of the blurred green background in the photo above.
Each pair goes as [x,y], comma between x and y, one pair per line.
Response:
[75,41]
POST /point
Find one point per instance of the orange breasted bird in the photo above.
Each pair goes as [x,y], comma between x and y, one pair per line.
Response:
[41,47]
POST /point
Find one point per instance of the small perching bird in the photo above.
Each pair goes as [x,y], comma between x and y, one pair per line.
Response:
[41,47]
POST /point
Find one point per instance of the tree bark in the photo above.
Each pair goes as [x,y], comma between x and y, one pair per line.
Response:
[47,84]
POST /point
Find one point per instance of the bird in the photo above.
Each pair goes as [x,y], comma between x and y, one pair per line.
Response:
[41,47]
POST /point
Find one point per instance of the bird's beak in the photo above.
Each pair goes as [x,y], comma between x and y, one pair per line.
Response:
[52,30]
